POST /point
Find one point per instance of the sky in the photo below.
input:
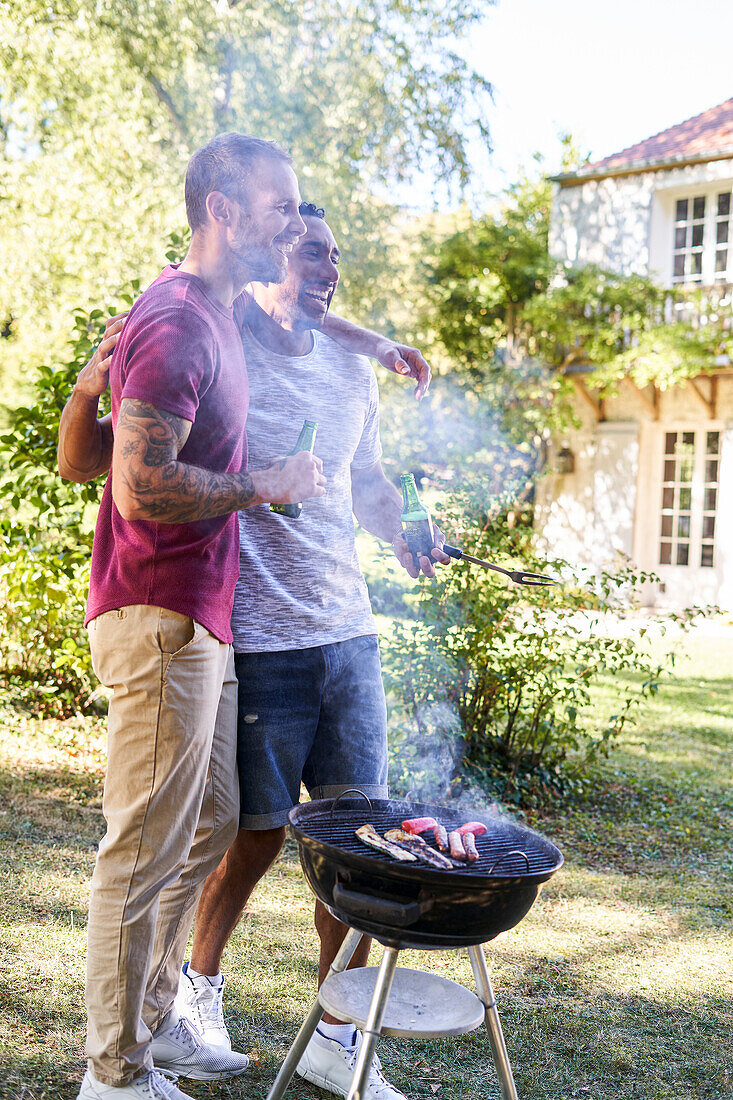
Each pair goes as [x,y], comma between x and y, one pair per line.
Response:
[610,73]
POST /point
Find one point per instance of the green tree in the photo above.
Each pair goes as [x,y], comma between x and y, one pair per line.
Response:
[102,102]
[482,275]
[491,682]
[479,276]
[505,320]
[45,543]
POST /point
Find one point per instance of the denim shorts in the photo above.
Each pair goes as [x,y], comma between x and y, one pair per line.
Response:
[317,715]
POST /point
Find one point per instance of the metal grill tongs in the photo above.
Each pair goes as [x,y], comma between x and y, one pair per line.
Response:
[536,580]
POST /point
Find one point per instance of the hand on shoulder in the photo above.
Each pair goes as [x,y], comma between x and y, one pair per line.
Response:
[93,378]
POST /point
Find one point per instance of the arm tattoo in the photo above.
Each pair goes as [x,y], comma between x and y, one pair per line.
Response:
[148,441]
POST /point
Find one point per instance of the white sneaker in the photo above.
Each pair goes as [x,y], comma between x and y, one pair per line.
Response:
[200,1002]
[153,1085]
[330,1065]
[181,1049]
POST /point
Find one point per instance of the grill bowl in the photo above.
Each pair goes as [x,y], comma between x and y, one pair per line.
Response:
[411,904]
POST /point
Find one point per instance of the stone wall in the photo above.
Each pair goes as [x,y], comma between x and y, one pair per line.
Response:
[625,223]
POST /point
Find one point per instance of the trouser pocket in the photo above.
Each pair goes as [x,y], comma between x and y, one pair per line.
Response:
[176,633]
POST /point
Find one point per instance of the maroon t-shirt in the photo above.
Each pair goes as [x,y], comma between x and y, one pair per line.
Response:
[181,351]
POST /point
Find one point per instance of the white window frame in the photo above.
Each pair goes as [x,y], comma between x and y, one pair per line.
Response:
[697,507]
[709,277]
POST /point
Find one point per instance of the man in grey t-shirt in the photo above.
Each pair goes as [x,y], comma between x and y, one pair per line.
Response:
[311,700]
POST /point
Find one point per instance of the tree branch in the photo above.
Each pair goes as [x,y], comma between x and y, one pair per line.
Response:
[138,62]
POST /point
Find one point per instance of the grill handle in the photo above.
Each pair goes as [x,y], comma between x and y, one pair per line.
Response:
[382,910]
[514,852]
[351,790]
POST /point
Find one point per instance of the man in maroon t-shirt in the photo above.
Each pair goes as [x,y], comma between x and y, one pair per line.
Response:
[164,566]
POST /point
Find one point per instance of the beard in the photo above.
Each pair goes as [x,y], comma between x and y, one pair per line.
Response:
[259,263]
[256,258]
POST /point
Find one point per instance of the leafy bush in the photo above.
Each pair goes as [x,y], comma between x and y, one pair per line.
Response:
[43,647]
[491,682]
[45,542]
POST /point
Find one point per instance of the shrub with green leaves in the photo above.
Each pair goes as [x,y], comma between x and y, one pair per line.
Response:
[45,542]
[43,648]
[491,681]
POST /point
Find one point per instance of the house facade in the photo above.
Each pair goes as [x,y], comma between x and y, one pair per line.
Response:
[649,472]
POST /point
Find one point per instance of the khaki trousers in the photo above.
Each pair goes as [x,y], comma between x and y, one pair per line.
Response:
[171,803]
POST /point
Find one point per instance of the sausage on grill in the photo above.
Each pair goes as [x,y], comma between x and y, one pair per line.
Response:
[469,843]
[417,825]
[455,842]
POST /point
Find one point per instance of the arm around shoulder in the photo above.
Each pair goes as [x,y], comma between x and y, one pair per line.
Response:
[85,442]
[398,358]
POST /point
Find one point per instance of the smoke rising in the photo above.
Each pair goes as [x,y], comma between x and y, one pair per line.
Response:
[457,436]
[458,442]
[426,760]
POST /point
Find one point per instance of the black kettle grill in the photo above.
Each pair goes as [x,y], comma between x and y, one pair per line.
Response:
[412,905]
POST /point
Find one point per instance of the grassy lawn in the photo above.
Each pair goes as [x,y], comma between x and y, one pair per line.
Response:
[617,985]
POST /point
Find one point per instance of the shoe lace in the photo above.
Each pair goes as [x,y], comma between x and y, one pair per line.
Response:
[161,1083]
[377,1080]
[186,1031]
[210,1005]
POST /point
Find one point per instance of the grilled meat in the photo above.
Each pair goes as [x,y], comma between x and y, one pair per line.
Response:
[441,837]
[368,835]
[475,827]
[469,843]
[417,845]
[417,825]
[455,843]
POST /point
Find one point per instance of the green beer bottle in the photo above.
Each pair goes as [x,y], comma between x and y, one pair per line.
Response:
[416,522]
[306,442]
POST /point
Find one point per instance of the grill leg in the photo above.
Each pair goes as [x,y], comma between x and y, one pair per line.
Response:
[493,1023]
[312,1020]
[373,1024]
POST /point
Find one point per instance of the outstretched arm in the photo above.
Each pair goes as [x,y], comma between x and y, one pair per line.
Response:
[149,483]
[377,506]
[85,443]
[399,358]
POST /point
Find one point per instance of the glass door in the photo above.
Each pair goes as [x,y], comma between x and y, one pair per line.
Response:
[690,483]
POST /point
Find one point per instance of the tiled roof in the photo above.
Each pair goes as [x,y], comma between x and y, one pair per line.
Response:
[709,132]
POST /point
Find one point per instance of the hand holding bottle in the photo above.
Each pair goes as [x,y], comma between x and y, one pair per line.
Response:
[306,442]
[418,542]
[425,563]
[293,479]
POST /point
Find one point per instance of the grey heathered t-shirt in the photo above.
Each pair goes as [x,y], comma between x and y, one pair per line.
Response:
[300,584]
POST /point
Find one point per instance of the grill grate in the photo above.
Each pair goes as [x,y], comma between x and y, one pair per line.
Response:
[501,837]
